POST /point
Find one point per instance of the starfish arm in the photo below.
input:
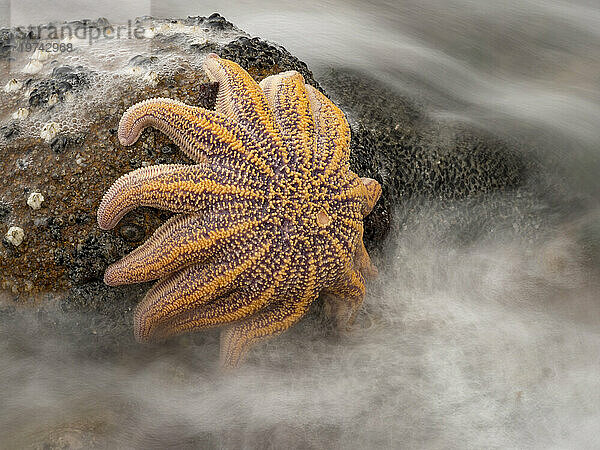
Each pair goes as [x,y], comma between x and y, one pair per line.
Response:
[228,308]
[275,319]
[193,286]
[345,297]
[175,187]
[231,307]
[240,99]
[373,192]
[333,132]
[182,241]
[363,262]
[287,97]
[200,133]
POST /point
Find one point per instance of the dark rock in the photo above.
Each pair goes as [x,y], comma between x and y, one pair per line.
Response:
[82,218]
[424,164]
[206,47]
[59,143]
[5,210]
[142,60]
[12,251]
[54,225]
[135,163]
[214,21]
[410,166]
[168,149]
[6,43]
[91,257]
[62,80]
[10,131]
[261,58]
[22,164]
[131,232]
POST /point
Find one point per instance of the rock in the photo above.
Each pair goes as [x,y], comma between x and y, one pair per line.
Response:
[59,143]
[10,130]
[131,232]
[262,59]
[49,131]
[214,21]
[418,161]
[63,79]
[168,149]
[35,200]
[142,60]
[15,236]
[88,260]
[459,182]
[5,210]
[6,44]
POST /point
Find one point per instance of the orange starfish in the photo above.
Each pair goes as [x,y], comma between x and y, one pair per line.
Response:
[270,216]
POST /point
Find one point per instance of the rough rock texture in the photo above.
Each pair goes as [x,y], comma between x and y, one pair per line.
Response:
[417,160]
[262,58]
[64,79]
[459,182]
[63,246]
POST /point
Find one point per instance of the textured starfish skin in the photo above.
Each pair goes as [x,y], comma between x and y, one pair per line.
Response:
[270,216]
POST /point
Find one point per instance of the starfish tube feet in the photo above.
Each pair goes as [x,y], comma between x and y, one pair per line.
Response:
[372,196]
[238,338]
[174,187]
[180,242]
[191,288]
[200,133]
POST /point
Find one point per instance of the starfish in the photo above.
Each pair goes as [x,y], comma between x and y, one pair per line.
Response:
[270,216]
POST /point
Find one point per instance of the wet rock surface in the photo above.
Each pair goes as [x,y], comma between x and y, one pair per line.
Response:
[262,58]
[458,181]
[63,79]
[63,246]
[420,162]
